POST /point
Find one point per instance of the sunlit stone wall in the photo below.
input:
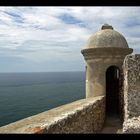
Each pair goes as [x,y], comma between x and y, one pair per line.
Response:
[132,94]
[82,116]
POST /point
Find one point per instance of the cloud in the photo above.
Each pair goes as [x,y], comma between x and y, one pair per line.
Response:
[55,35]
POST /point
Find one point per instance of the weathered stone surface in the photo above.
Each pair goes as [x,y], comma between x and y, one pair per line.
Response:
[132,93]
[132,85]
[82,116]
[88,120]
[107,37]
[121,96]
[132,125]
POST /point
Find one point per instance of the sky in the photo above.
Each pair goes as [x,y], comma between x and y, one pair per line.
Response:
[44,39]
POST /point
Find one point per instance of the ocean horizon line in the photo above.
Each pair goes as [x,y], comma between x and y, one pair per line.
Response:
[40,72]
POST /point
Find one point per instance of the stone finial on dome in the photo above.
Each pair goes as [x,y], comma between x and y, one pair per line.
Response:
[107,26]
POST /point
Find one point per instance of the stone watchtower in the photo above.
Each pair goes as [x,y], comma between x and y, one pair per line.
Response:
[104,55]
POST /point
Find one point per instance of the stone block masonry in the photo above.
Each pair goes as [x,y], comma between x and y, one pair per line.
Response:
[82,116]
[132,94]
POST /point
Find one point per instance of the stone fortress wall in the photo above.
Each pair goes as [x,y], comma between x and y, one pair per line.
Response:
[82,116]
[131,69]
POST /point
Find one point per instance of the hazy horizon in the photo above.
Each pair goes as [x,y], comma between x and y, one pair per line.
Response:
[39,71]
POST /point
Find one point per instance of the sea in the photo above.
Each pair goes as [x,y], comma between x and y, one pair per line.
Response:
[27,94]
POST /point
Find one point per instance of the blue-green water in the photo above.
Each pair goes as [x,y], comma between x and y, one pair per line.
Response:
[26,94]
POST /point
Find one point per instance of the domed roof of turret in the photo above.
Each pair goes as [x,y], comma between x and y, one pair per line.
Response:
[107,37]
